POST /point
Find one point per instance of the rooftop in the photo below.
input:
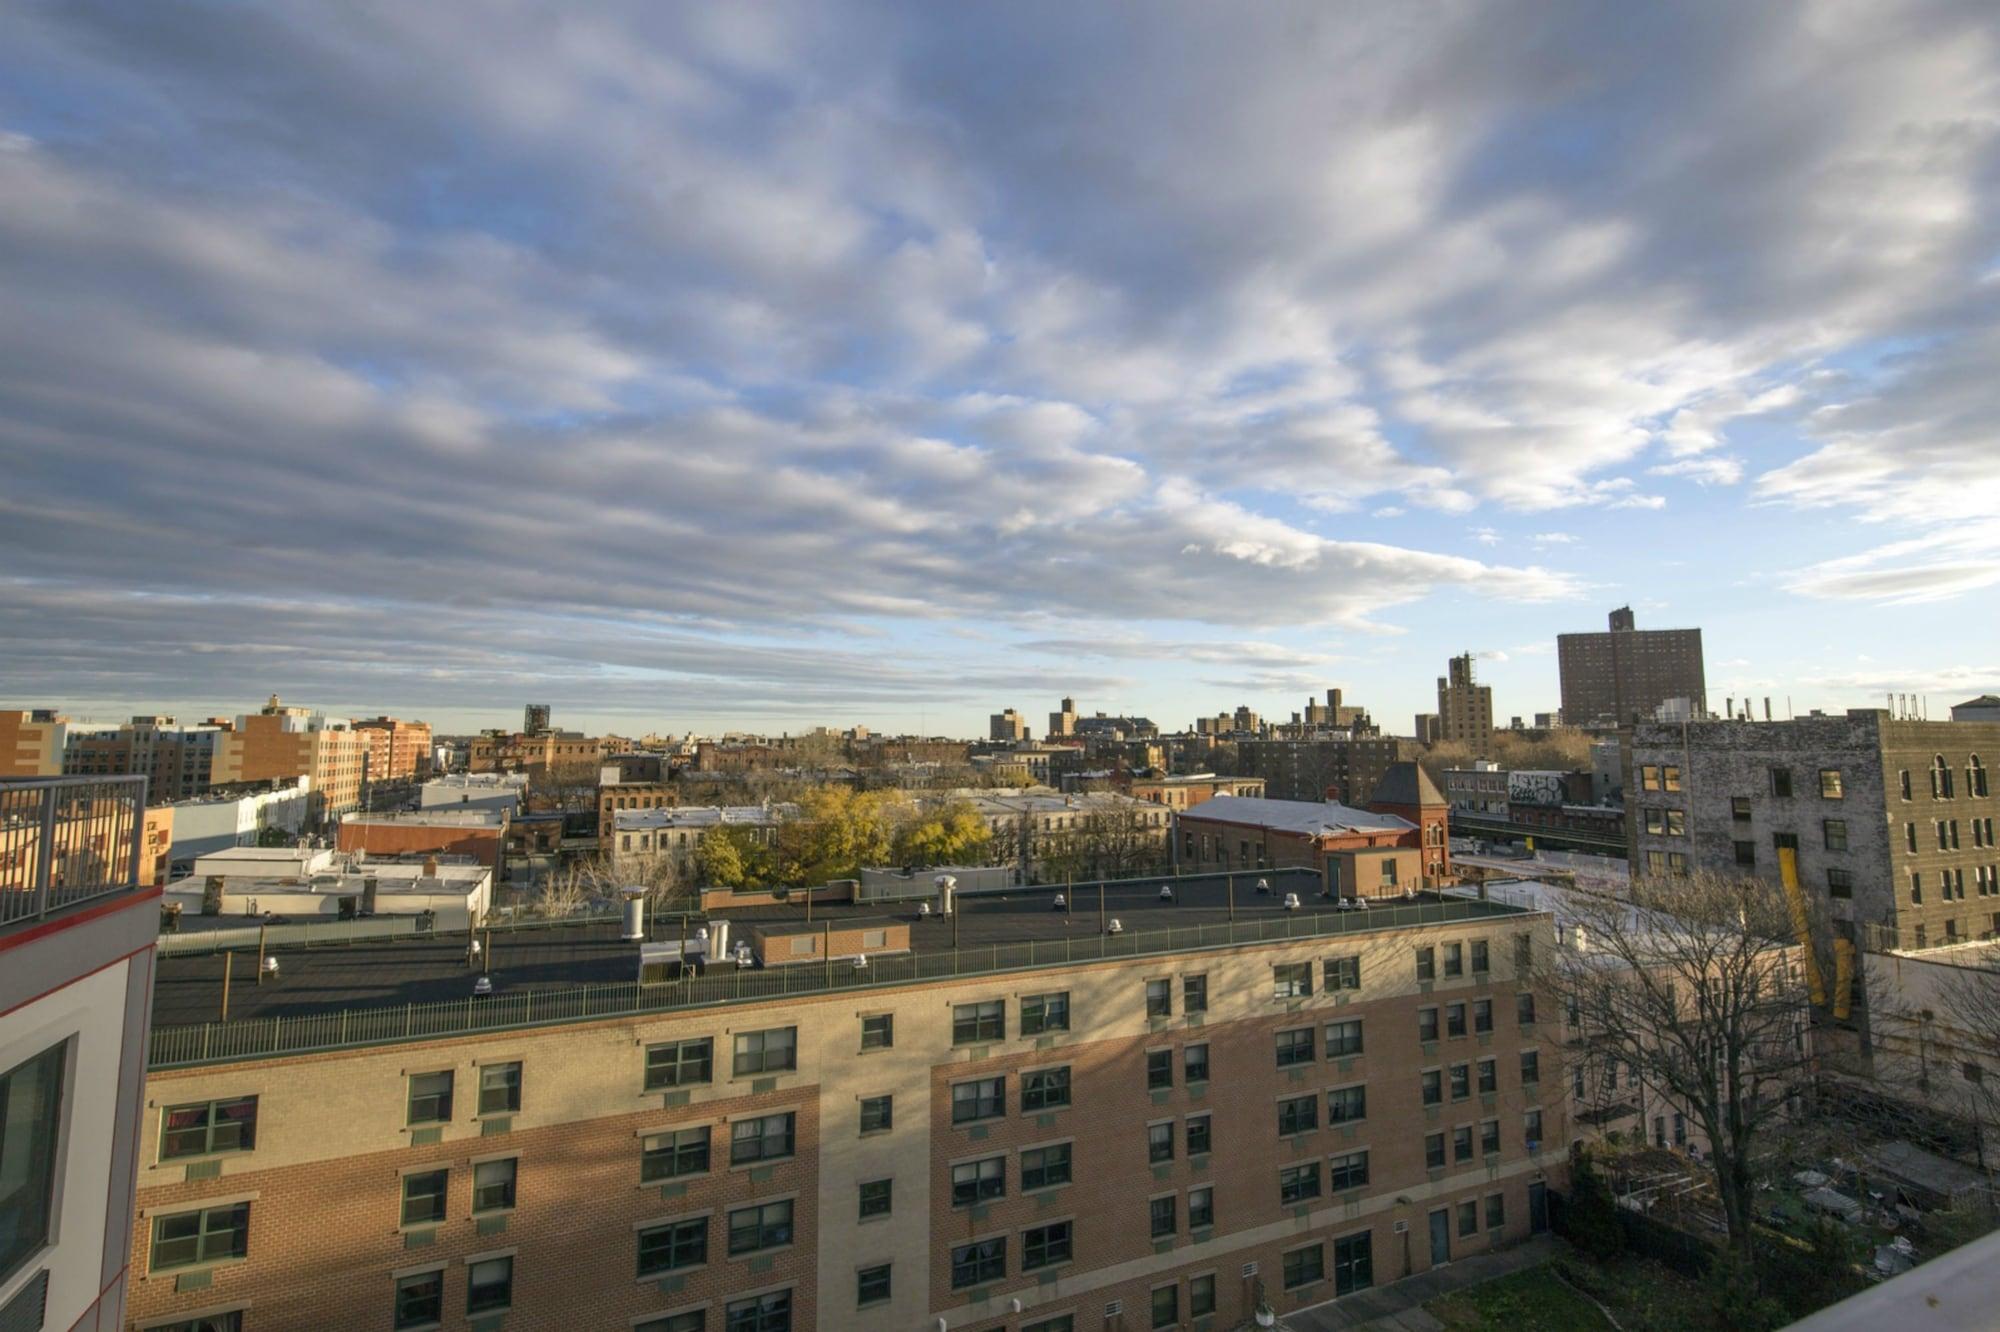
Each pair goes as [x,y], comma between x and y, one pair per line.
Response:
[446,816]
[699,816]
[1309,818]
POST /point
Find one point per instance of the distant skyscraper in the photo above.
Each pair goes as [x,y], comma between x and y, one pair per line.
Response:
[1064,722]
[1007,727]
[1624,675]
[535,719]
[1465,707]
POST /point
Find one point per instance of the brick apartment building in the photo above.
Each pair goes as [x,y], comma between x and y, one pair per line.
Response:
[1623,675]
[397,750]
[496,751]
[1045,1140]
[177,761]
[1186,790]
[1400,842]
[1327,769]
[31,742]
[279,743]
[1465,707]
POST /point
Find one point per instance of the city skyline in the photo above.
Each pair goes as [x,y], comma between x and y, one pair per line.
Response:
[768,369]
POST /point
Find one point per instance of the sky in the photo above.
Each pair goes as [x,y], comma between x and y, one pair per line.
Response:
[761,366]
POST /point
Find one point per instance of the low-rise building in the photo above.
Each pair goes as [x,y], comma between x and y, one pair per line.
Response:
[1356,853]
[477,834]
[501,791]
[1186,790]
[640,836]
[1050,837]
[224,819]
[244,886]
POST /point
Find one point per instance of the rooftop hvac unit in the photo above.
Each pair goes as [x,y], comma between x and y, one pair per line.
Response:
[1291,901]
[1117,925]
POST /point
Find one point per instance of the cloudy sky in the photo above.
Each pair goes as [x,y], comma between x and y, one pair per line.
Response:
[693,366]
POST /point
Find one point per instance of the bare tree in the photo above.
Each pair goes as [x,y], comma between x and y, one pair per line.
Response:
[1934,1043]
[1698,985]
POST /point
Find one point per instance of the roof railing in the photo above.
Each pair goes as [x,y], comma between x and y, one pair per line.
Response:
[65,840]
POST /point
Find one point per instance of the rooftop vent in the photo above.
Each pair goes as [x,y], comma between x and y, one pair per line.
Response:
[1291,901]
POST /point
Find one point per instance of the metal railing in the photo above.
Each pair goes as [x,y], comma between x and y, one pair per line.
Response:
[65,840]
[256,1038]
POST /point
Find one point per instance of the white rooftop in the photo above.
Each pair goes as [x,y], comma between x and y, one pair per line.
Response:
[1305,817]
[699,816]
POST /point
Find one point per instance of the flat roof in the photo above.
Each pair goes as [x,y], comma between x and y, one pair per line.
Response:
[699,816]
[441,816]
[1312,818]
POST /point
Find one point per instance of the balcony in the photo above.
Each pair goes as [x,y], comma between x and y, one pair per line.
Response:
[68,840]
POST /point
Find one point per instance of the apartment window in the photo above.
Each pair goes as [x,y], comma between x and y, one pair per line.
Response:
[1434,1151]
[1916,887]
[878,1114]
[674,1154]
[1162,1214]
[1166,1309]
[1532,1129]
[1426,964]
[1531,1067]
[980,1023]
[489,1285]
[679,1063]
[1656,821]
[1343,973]
[1433,1087]
[1489,1080]
[1159,998]
[1060,1323]
[766,1226]
[1197,1135]
[1454,959]
[1524,1007]
[977,1181]
[208,1235]
[1427,1025]
[1298,1114]
[1461,1143]
[1194,1062]
[1903,783]
[768,1138]
[1461,1081]
[1201,1208]
[1746,854]
[977,1263]
[1781,783]
[1295,1047]
[1482,1016]
[1343,1039]
[1468,1219]
[1298,1183]
[1496,1210]
[1304,1266]
[878,1031]
[773,1051]
[1159,1069]
[1045,1089]
[877,1198]
[1194,994]
[499,1088]
[1045,1246]
[419,1299]
[423,1197]
[695,1320]
[1160,1142]
[985,1098]
[1489,1137]
[493,1185]
[1839,882]
[1910,838]
[1349,1171]
[871,1285]
[1044,1012]
[1481,961]
[1940,779]
[759,1313]
[1345,1105]
[430,1098]
[1046,1167]
[673,1246]
[1829,784]
[204,1128]
[1835,833]
[1454,1020]
[1291,980]
[1676,823]
[1649,777]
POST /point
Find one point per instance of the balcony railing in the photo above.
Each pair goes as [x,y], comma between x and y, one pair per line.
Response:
[65,840]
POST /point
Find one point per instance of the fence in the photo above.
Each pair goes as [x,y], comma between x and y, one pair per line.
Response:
[253,1038]
[65,840]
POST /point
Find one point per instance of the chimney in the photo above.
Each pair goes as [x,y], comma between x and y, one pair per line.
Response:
[430,866]
[368,891]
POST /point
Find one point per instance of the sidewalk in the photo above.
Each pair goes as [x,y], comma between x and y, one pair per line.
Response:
[1399,1308]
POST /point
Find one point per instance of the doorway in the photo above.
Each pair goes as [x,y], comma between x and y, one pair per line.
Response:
[1538,1208]
[1440,1238]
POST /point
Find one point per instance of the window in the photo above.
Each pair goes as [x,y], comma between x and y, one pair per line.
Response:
[1649,777]
[1427,1025]
[499,1088]
[1197,1135]
[1481,960]
[1839,882]
[1045,1246]
[1835,833]
[1940,779]
[1194,1062]
[1159,1069]
[420,1299]
[673,1154]
[493,1185]
[1916,887]
[1829,784]
[1468,1219]
[1656,821]
[983,1261]
[759,1313]
[1347,1172]
[1044,1012]
[1433,1086]
[1910,838]
[1291,980]
[1781,783]
[1345,1105]
[1461,1143]
[679,1063]
[1194,994]
[877,1198]
[1201,1208]
[1454,959]
[878,1114]
[1434,1151]
[977,1181]
[977,1024]
[1160,1142]
[1302,1267]
[1903,782]
[1426,964]
[766,1226]
[209,1235]
[1298,1183]
[423,1197]
[1454,1019]
[768,1138]
[1746,854]
[1060,1323]
[1159,998]
[1343,973]
[695,1320]
[673,1246]
[1353,1263]
[1489,1137]
[1045,1167]
[430,1098]
[1166,1306]
[1524,1007]
[1482,1016]
[1676,823]
[1739,809]
[878,1032]
[1461,1081]
[1045,1089]
[773,1051]
[1343,1039]
[1489,1080]
[202,1129]
[1295,1047]
[1532,1129]
[1162,1213]
[871,1285]
[984,1099]
[1531,1067]
[1298,1114]
[1496,1210]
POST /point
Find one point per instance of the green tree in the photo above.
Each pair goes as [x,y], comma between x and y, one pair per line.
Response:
[953,834]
